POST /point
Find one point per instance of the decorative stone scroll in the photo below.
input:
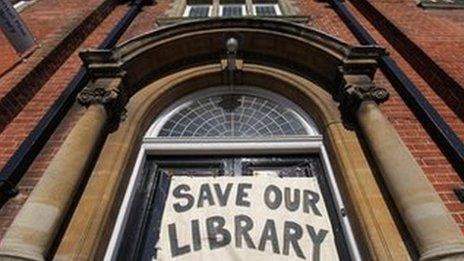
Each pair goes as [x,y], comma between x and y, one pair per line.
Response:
[364,92]
[108,92]
[359,88]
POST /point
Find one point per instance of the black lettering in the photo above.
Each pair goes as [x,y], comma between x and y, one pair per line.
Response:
[205,195]
[292,233]
[310,199]
[241,199]
[223,197]
[181,192]
[295,204]
[269,234]
[176,250]
[273,203]
[196,237]
[215,228]
[317,239]
[243,224]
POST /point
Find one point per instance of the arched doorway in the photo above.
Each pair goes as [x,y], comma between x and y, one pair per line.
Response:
[146,70]
[235,136]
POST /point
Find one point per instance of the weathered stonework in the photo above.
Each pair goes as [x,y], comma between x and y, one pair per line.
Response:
[379,235]
[109,93]
[364,92]
[34,230]
[357,89]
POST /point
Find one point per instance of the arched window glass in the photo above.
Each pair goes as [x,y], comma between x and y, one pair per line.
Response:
[243,112]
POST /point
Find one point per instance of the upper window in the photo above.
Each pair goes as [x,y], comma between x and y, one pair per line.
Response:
[223,113]
[198,11]
[232,10]
[442,3]
[266,9]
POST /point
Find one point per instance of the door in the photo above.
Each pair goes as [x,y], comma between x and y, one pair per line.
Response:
[143,230]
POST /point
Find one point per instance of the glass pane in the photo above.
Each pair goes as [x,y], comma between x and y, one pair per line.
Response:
[232,10]
[281,167]
[199,11]
[265,10]
[233,115]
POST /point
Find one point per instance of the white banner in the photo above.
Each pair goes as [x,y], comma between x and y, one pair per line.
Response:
[14,28]
[245,218]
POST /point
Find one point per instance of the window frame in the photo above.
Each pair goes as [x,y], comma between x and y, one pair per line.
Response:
[205,147]
[441,4]
[188,8]
[221,9]
[275,5]
[154,145]
[151,194]
[308,122]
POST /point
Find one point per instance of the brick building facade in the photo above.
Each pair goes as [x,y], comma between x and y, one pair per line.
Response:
[418,50]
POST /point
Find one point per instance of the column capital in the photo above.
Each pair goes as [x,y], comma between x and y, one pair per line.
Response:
[108,92]
[358,88]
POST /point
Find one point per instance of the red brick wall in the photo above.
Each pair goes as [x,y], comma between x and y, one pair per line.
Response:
[59,76]
[146,20]
[17,130]
[435,165]
[429,43]
[33,107]
[58,33]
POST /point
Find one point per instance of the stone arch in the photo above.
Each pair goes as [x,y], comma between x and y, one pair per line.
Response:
[370,213]
[271,42]
[344,71]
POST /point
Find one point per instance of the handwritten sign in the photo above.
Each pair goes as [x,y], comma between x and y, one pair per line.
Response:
[14,28]
[245,218]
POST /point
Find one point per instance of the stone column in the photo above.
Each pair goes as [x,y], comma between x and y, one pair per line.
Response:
[431,226]
[35,227]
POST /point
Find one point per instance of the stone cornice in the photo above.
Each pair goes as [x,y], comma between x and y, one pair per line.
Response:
[141,43]
[164,21]
[263,40]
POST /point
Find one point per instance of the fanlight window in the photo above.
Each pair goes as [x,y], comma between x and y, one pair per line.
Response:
[233,114]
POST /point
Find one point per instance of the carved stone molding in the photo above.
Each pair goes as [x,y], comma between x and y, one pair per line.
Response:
[364,92]
[97,95]
[359,88]
[108,92]
[166,50]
